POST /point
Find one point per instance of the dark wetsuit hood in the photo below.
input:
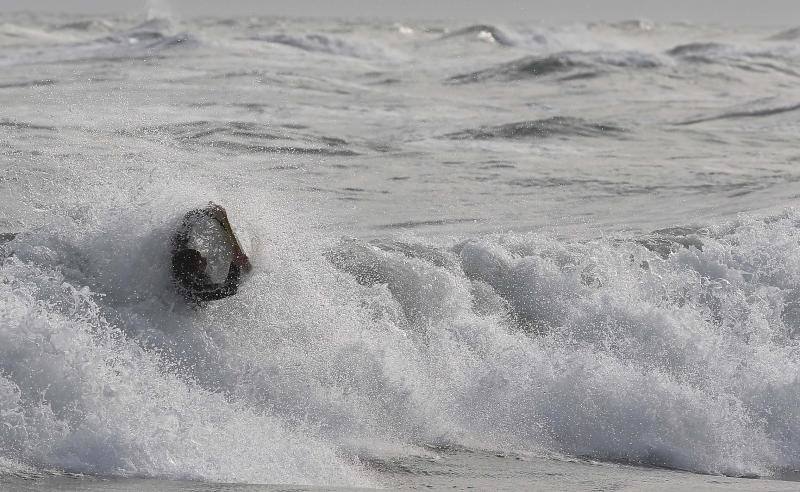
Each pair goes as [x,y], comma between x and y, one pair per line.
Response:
[189,265]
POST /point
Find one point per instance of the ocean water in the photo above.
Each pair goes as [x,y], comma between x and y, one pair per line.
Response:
[493,256]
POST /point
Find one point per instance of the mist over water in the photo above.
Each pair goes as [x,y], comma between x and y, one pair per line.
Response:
[571,242]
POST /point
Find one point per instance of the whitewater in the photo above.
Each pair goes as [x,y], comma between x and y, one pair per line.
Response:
[499,256]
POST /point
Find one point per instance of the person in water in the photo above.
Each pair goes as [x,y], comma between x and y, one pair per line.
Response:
[190,267]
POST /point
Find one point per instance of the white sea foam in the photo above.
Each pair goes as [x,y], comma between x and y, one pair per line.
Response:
[78,395]
[600,348]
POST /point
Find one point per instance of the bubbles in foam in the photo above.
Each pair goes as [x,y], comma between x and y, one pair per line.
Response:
[77,394]
[610,351]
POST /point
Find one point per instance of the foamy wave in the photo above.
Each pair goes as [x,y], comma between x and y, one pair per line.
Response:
[619,353]
[677,350]
[77,395]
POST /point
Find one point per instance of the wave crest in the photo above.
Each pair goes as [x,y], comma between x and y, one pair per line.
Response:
[792,34]
[485,32]
[247,137]
[145,40]
[568,61]
[556,126]
[321,43]
[751,60]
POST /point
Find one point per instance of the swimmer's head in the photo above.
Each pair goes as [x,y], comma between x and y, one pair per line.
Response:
[189,261]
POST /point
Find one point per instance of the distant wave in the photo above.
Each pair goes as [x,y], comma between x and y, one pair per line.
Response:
[792,34]
[87,25]
[536,66]
[697,49]
[144,40]
[321,43]
[486,32]
[555,126]
[424,223]
[248,137]
[152,35]
[633,25]
[726,54]
[522,68]
[23,125]
[28,83]
[753,113]
[15,31]
[238,147]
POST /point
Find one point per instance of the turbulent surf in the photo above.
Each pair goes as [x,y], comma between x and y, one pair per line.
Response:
[566,243]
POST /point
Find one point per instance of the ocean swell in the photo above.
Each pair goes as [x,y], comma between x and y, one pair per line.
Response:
[144,40]
[555,126]
[563,62]
[484,32]
[245,137]
[322,43]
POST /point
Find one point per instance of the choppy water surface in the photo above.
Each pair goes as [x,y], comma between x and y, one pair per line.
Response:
[470,241]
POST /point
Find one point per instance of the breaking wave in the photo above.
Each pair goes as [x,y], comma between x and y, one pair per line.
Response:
[679,349]
[648,337]
[76,394]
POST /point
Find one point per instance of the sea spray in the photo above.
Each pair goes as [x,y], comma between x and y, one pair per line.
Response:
[598,348]
[496,294]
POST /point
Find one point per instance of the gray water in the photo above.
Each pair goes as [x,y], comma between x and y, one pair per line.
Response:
[570,244]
